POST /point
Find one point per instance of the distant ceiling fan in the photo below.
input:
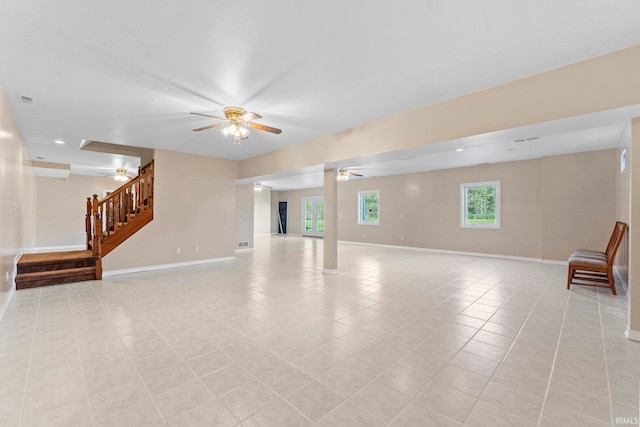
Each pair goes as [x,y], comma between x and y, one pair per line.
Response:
[344,174]
[236,122]
[121,175]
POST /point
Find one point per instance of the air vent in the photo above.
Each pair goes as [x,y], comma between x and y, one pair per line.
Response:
[26,99]
[533,138]
[243,244]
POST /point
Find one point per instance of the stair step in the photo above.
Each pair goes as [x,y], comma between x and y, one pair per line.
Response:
[34,263]
[55,277]
[28,259]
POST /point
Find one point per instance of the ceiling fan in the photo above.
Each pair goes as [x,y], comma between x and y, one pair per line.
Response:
[236,122]
[344,174]
[121,175]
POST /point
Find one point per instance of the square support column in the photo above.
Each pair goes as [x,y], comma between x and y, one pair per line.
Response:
[633,327]
[330,222]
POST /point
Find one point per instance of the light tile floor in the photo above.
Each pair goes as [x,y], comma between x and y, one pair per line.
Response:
[398,337]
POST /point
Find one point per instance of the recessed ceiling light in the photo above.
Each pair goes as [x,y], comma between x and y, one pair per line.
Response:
[459,149]
[59,141]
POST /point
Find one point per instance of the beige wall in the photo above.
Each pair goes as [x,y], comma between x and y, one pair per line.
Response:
[262,212]
[195,205]
[550,206]
[578,202]
[294,206]
[597,84]
[60,217]
[244,215]
[17,193]
[423,210]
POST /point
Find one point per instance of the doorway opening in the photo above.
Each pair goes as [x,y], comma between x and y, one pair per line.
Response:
[282,217]
[313,216]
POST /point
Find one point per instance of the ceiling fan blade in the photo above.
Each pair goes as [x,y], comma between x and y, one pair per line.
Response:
[208,127]
[247,117]
[265,128]
[353,173]
[208,115]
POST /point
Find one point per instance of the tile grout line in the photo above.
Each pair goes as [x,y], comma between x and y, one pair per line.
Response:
[33,339]
[413,399]
[84,378]
[128,357]
[533,307]
[553,364]
[606,364]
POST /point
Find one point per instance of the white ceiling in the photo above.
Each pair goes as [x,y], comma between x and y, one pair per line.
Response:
[129,73]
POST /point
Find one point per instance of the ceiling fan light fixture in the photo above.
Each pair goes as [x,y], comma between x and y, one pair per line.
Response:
[342,175]
[121,175]
[257,186]
[237,131]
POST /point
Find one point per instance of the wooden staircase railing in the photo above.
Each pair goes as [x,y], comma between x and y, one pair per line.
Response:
[113,219]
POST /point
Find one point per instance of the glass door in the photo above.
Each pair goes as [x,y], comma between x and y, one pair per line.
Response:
[312,216]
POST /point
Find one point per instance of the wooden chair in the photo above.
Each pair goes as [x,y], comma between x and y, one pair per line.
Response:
[590,267]
[593,253]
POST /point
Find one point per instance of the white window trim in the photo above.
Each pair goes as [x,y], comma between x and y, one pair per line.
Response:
[360,219]
[463,207]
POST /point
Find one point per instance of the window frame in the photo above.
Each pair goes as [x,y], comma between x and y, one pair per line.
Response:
[463,205]
[361,195]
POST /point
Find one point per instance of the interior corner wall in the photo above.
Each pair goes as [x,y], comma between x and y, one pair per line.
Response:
[623,195]
[294,206]
[578,202]
[60,225]
[17,193]
[262,212]
[244,215]
[194,210]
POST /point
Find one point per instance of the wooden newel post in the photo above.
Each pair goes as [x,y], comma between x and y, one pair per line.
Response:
[87,223]
[97,228]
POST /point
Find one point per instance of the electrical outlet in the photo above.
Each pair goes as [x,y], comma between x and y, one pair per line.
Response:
[401,237]
[197,249]
[177,250]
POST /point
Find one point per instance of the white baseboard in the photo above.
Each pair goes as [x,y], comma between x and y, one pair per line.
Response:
[631,334]
[444,251]
[244,250]
[618,278]
[329,271]
[12,289]
[59,248]
[165,266]
[5,305]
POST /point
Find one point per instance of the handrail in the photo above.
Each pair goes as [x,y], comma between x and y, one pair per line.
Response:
[117,212]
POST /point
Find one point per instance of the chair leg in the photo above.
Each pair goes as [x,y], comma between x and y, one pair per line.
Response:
[612,283]
[570,276]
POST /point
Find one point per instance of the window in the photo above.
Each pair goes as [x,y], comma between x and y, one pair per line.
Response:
[480,205]
[369,207]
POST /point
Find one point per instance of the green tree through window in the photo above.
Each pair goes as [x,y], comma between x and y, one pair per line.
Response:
[369,207]
[481,204]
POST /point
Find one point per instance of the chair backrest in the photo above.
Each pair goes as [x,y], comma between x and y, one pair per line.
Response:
[619,233]
[612,239]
